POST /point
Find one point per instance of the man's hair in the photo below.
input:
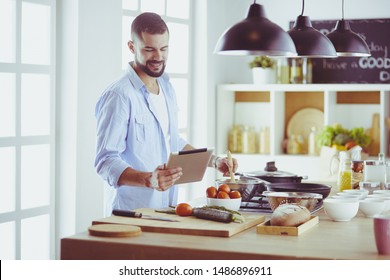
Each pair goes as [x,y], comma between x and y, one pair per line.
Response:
[148,22]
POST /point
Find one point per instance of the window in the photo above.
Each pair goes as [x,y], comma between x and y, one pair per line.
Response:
[27,62]
[176,13]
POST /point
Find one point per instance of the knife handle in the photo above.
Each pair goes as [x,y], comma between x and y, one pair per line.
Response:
[126,213]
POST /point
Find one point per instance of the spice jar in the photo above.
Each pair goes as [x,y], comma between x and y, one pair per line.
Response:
[296,75]
[234,139]
[357,167]
[248,137]
[264,145]
[293,145]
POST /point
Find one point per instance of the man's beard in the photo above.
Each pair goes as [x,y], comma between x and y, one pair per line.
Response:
[146,69]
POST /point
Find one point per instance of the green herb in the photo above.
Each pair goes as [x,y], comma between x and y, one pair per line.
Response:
[263,62]
[336,134]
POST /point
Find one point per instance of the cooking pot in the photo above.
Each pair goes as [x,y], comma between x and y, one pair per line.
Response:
[272,175]
[247,186]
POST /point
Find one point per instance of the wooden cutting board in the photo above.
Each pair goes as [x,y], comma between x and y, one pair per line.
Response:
[186,225]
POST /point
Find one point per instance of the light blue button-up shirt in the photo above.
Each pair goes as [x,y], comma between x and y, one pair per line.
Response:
[129,135]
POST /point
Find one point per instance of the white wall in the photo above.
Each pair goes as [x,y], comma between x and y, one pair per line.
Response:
[89,58]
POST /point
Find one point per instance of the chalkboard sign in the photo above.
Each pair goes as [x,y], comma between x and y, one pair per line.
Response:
[373,69]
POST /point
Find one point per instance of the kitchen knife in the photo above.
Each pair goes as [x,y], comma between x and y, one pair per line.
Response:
[133,214]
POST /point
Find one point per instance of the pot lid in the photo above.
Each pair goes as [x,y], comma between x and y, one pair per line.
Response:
[271,174]
[271,170]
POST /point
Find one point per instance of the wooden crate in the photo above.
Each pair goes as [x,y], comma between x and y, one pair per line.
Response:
[266,228]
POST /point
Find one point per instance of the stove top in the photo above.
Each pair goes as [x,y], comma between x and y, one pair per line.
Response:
[261,205]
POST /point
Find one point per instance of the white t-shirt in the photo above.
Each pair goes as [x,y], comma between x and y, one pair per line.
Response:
[159,102]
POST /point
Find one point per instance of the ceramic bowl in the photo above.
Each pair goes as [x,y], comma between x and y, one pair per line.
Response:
[231,204]
[371,206]
[385,198]
[348,197]
[341,210]
[363,193]
[382,192]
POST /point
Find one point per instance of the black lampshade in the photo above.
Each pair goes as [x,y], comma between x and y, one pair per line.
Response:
[347,42]
[309,42]
[255,35]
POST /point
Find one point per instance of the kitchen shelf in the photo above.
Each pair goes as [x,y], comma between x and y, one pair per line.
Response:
[272,105]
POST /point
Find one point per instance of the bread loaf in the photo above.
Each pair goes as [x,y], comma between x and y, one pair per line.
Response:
[289,215]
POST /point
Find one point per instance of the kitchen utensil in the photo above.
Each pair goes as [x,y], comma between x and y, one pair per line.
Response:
[322,189]
[232,179]
[134,214]
[272,175]
[247,186]
[308,200]
[114,230]
[189,225]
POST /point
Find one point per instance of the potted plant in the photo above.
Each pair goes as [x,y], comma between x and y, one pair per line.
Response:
[263,70]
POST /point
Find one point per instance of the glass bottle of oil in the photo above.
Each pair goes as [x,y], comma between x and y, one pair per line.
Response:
[345,172]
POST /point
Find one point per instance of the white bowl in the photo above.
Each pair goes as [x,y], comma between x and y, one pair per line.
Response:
[341,210]
[384,198]
[231,204]
[382,192]
[371,206]
[363,193]
[350,197]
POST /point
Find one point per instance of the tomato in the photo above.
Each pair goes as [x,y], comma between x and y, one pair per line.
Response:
[350,145]
[225,188]
[223,195]
[234,194]
[211,192]
[183,209]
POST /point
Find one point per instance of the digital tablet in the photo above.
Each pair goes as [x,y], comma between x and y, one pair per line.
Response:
[193,162]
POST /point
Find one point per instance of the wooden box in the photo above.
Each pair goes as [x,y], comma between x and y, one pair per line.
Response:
[266,228]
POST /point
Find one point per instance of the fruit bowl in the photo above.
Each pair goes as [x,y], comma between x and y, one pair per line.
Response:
[308,200]
[231,204]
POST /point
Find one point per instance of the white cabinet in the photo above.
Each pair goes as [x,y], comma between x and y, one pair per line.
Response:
[351,105]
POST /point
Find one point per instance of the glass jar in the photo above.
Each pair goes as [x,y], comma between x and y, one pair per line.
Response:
[296,74]
[234,139]
[345,172]
[388,173]
[248,138]
[375,171]
[293,145]
[357,167]
[370,186]
[264,144]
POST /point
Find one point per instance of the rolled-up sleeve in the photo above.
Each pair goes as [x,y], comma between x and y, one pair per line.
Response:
[112,113]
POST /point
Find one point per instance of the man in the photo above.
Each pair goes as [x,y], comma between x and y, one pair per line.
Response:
[137,124]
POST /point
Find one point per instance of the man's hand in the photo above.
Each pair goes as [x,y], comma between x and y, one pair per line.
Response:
[162,178]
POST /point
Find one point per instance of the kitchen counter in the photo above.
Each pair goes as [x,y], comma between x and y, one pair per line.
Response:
[326,240]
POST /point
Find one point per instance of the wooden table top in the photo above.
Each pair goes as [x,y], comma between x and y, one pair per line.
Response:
[326,240]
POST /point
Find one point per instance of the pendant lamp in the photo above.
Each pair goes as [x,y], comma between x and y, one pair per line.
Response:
[347,42]
[308,41]
[255,35]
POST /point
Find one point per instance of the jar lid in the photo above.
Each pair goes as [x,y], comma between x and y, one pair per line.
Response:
[369,184]
[373,162]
